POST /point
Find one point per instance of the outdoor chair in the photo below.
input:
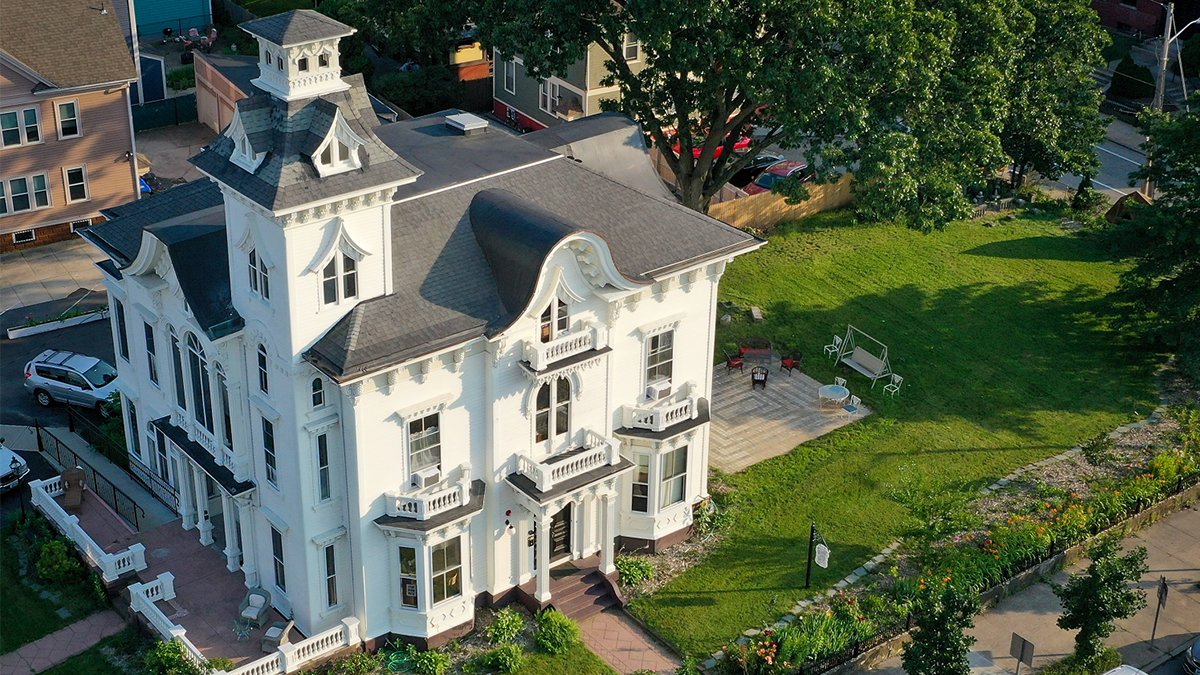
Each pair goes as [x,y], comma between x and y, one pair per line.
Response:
[832,349]
[839,381]
[758,377]
[732,362]
[892,388]
[854,407]
[793,362]
[72,480]
[255,606]
[276,635]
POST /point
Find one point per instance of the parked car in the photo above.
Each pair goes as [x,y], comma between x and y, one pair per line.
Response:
[740,145]
[748,173]
[1191,659]
[12,468]
[58,376]
[777,172]
[1126,670]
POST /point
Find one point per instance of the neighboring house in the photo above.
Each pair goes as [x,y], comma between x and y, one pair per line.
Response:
[179,15]
[1143,17]
[68,148]
[413,366]
[529,103]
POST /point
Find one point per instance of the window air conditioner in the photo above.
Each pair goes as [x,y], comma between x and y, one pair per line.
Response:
[658,390]
[426,477]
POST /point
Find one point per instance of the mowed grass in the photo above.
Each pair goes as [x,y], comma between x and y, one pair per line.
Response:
[579,660]
[24,615]
[1003,337]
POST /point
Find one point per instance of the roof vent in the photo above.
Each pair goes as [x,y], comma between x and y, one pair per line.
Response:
[466,124]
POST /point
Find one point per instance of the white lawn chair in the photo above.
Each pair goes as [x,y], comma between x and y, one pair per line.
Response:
[892,388]
[832,350]
[839,381]
[854,407]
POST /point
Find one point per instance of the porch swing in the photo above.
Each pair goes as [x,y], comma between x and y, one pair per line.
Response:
[870,360]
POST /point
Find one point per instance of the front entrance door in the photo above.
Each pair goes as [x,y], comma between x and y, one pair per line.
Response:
[560,534]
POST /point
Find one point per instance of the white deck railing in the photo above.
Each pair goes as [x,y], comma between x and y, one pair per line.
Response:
[583,338]
[600,451]
[425,506]
[292,656]
[111,565]
[660,415]
[141,600]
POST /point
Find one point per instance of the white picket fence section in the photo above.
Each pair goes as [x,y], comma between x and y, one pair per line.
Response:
[111,565]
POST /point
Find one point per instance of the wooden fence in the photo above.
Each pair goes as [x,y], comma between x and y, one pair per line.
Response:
[764,211]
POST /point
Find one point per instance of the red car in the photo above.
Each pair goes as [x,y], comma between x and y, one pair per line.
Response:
[777,172]
[740,146]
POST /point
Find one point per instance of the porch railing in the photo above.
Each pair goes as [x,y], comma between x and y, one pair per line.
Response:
[583,338]
[425,506]
[660,415]
[141,600]
[291,657]
[111,565]
[62,454]
[598,451]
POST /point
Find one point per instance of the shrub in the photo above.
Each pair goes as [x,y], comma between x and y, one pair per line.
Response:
[633,571]
[1131,80]
[1107,660]
[360,663]
[428,663]
[709,520]
[1191,56]
[221,663]
[507,625]
[55,564]
[1099,450]
[423,91]
[182,79]
[171,658]
[557,633]
[503,659]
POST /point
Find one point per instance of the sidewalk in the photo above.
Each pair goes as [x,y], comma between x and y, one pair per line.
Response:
[626,647]
[62,644]
[1173,545]
[1125,135]
[45,273]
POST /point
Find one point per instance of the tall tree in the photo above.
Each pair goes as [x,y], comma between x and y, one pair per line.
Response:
[1163,287]
[940,644]
[1053,120]
[1100,595]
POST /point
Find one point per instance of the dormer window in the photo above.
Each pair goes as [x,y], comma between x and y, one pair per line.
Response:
[335,153]
[302,64]
[340,149]
[243,153]
[323,59]
[554,321]
[341,267]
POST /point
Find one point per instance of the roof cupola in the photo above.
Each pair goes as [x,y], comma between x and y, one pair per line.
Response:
[298,54]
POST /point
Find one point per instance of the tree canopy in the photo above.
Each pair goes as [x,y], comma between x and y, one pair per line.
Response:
[1094,599]
[940,644]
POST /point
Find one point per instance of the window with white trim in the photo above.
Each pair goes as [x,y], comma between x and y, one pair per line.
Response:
[554,321]
[260,282]
[177,371]
[277,557]
[446,570]
[134,436]
[331,592]
[553,413]
[151,352]
[268,446]
[425,442]
[323,59]
[674,476]
[264,381]
[339,279]
[302,64]
[548,95]
[510,76]
[632,47]
[659,356]
[75,178]
[162,459]
[68,119]
[24,193]
[225,413]
[641,484]
[21,127]
[408,577]
[324,477]
[201,387]
[318,392]
[122,335]
[76,225]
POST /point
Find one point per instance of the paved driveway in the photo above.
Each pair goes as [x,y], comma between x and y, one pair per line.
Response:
[16,405]
[44,273]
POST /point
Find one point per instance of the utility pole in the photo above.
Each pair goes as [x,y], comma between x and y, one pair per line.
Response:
[1160,86]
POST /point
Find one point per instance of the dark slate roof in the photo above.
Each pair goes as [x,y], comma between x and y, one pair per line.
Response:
[289,131]
[445,289]
[121,236]
[200,257]
[67,42]
[474,505]
[238,69]
[222,475]
[296,27]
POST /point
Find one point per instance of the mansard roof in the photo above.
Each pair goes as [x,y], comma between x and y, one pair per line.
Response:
[290,132]
[121,235]
[296,27]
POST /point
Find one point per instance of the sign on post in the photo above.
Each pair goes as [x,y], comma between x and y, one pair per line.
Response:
[1021,650]
[822,556]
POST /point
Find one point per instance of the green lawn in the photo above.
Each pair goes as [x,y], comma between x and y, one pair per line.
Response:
[1002,335]
[578,661]
[125,646]
[24,615]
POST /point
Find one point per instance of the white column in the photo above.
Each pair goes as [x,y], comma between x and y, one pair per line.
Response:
[202,520]
[543,558]
[187,495]
[608,533]
[231,547]
[246,523]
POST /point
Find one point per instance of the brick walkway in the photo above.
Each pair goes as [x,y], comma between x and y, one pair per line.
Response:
[624,645]
[61,645]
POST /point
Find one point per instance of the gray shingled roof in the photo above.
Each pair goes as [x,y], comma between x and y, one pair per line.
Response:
[289,131]
[296,27]
[445,290]
[121,236]
[67,42]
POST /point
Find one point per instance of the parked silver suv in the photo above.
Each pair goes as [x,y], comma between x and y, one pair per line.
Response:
[57,376]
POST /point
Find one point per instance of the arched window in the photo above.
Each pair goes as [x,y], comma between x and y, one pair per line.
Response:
[318,392]
[223,403]
[201,388]
[177,371]
[342,266]
[554,321]
[553,416]
[264,385]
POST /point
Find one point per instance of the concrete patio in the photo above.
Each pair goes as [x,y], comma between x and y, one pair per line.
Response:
[751,425]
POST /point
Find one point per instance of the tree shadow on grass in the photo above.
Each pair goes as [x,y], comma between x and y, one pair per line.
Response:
[1071,249]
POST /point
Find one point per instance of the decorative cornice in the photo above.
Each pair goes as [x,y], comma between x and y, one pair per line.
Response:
[338,206]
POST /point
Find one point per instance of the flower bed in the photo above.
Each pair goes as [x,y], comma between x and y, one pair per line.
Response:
[36,326]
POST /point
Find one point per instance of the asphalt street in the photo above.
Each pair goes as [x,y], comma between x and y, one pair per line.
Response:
[17,406]
[1116,163]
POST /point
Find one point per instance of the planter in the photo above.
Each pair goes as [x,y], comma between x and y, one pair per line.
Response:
[23,331]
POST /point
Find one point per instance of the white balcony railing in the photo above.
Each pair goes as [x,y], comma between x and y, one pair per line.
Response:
[425,506]
[111,565]
[141,600]
[682,406]
[598,451]
[582,338]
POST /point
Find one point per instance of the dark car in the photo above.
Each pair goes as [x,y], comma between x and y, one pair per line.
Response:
[748,173]
[777,172]
[1191,659]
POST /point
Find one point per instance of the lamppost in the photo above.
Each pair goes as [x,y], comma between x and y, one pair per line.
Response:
[15,466]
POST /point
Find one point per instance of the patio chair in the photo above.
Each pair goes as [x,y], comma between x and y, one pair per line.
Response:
[72,480]
[792,362]
[892,388]
[276,635]
[839,381]
[854,407]
[832,349]
[732,362]
[758,377]
[192,40]
[255,606]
